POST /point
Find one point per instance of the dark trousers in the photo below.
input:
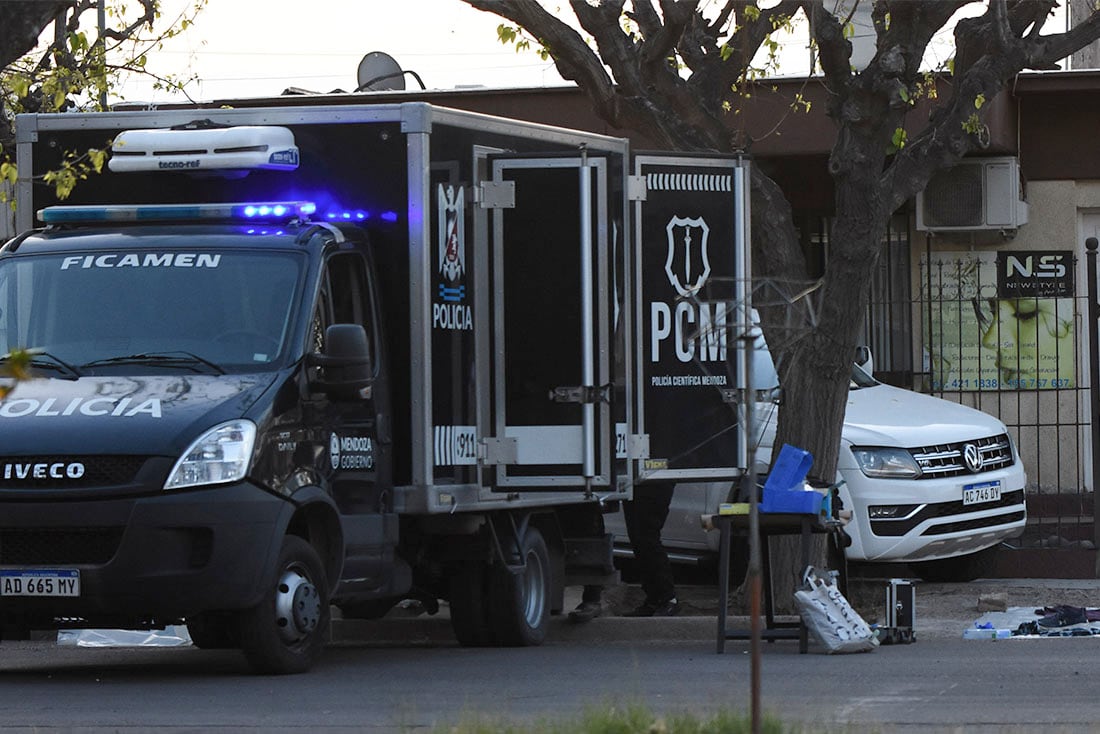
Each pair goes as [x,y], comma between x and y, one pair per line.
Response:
[645,515]
[585,521]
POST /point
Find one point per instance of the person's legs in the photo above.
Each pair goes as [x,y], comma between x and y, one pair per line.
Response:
[590,521]
[645,515]
[591,605]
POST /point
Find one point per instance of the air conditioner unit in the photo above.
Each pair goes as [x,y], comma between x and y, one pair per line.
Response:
[974,195]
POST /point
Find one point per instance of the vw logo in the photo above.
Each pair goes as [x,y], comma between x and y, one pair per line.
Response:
[972,457]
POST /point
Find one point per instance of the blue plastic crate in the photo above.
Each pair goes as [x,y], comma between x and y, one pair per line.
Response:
[790,469]
[801,501]
[783,489]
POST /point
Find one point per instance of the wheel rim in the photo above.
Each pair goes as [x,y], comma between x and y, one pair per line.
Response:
[297,606]
[534,587]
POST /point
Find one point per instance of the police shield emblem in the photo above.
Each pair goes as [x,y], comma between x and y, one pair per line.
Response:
[687,264]
[452,247]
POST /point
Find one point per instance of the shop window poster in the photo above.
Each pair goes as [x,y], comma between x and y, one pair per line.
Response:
[999,320]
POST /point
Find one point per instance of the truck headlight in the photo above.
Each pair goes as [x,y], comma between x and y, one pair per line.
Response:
[887,463]
[220,455]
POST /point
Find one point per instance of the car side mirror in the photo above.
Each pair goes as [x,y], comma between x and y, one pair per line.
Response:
[865,360]
[346,361]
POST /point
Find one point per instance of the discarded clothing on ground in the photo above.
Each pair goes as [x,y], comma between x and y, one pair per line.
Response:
[1063,615]
[1057,620]
[1037,629]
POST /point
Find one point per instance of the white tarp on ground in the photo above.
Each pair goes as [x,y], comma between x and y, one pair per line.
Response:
[172,636]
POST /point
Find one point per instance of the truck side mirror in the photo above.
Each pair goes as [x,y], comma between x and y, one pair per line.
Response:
[346,362]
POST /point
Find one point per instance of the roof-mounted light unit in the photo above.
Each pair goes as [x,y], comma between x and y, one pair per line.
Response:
[213,149]
[280,211]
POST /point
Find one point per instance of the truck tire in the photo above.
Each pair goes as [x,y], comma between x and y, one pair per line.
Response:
[214,630]
[469,605]
[519,603]
[285,633]
[961,568]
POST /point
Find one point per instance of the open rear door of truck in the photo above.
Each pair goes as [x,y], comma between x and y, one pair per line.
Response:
[553,311]
[693,280]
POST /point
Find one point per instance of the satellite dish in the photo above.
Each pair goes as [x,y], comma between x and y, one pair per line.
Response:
[379,72]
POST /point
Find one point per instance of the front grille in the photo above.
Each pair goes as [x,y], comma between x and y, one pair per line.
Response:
[58,546]
[68,472]
[897,528]
[946,460]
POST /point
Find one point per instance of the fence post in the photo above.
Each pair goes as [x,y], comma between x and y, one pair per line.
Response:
[1094,391]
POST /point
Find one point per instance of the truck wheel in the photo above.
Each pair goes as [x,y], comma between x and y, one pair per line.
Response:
[961,568]
[519,603]
[214,631]
[285,632]
[469,605]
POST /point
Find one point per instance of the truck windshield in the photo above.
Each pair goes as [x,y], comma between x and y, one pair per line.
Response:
[133,311]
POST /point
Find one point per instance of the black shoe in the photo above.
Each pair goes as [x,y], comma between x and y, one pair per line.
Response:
[586,611]
[667,608]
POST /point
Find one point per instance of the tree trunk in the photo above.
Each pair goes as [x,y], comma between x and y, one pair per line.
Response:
[815,382]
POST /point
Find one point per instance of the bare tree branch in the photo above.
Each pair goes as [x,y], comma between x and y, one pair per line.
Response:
[572,56]
[21,24]
[874,170]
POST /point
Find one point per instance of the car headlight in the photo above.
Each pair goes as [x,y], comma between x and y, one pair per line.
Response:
[887,463]
[220,455]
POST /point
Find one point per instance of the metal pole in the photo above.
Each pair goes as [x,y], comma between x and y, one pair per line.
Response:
[588,356]
[1094,387]
[102,43]
[747,445]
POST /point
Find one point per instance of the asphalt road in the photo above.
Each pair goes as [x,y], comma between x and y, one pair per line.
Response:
[938,683]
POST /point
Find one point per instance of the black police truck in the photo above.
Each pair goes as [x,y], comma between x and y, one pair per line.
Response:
[316,355]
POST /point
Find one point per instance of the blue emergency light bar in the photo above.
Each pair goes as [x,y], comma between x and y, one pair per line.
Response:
[252,211]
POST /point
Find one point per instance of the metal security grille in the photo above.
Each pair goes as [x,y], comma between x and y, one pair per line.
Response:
[1018,358]
[60,472]
[58,546]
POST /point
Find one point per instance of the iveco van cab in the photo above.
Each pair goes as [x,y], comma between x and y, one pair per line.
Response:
[303,354]
[930,483]
[175,423]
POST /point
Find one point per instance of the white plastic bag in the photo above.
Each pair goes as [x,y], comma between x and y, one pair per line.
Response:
[829,617]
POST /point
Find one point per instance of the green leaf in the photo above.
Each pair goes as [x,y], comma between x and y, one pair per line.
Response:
[899,139]
[20,85]
[506,34]
[97,158]
[78,41]
[979,101]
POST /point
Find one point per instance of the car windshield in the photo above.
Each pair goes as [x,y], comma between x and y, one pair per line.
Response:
[114,312]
